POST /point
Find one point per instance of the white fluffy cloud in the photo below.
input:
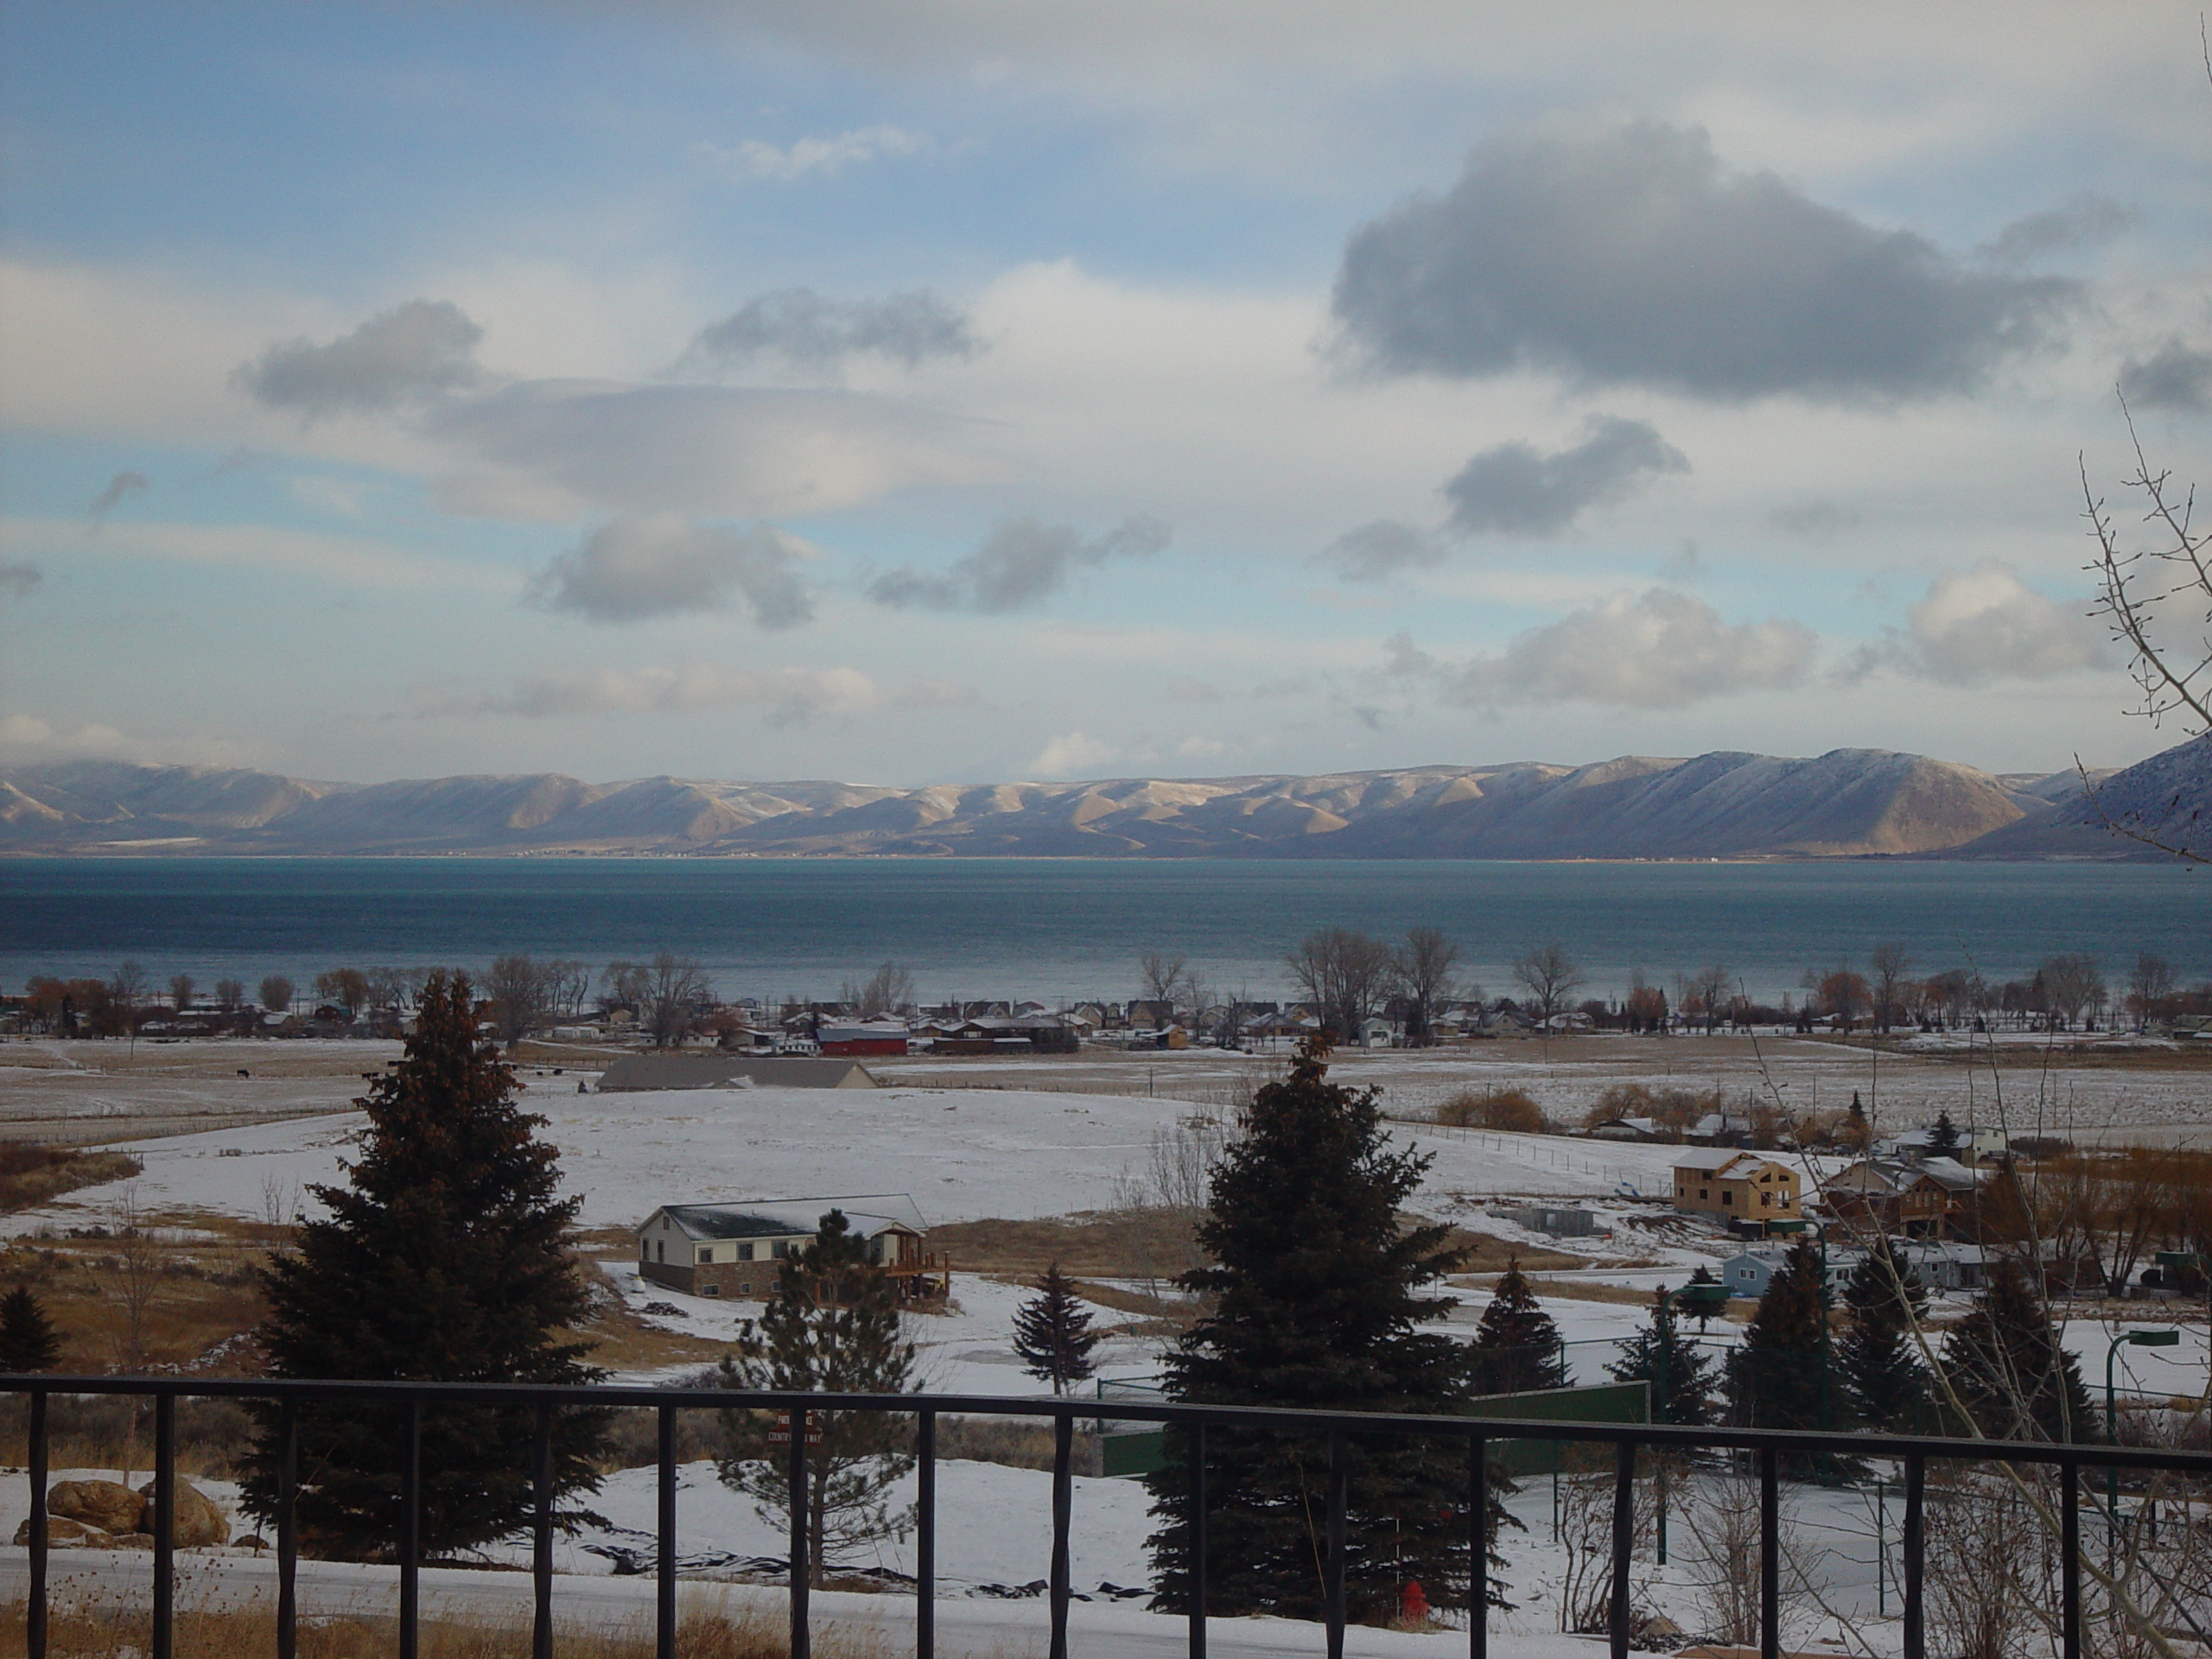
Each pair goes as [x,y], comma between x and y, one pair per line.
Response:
[789,695]
[1984,624]
[1073,752]
[28,740]
[1660,648]
[659,565]
[754,158]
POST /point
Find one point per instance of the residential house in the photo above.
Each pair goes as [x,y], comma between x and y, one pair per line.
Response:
[853,1039]
[1976,1145]
[1738,1187]
[1641,1129]
[1750,1272]
[1927,1198]
[732,1249]
[1377,1033]
[1945,1265]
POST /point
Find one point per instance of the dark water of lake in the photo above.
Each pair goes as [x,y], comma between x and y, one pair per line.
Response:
[1070,928]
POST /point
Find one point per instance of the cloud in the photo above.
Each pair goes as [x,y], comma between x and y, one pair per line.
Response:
[413,352]
[20,581]
[753,159]
[799,326]
[792,696]
[559,449]
[1661,649]
[2082,222]
[936,694]
[636,569]
[1070,752]
[1186,689]
[1984,624]
[1379,551]
[108,499]
[1816,519]
[27,739]
[1022,564]
[1513,491]
[2176,376]
[1634,258]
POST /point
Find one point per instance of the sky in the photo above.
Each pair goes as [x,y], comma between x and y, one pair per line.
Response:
[953,391]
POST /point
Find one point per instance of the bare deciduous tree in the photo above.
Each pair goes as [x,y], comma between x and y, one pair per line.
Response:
[889,990]
[277,993]
[348,987]
[520,994]
[1161,977]
[1344,975]
[1892,966]
[1422,974]
[2071,984]
[230,995]
[181,988]
[667,993]
[2150,984]
[1549,978]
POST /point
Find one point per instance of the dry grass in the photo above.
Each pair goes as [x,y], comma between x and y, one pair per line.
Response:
[1486,1253]
[1097,1244]
[30,1174]
[87,1630]
[204,1295]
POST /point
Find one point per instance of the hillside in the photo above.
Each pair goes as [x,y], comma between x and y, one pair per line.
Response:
[2167,797]
[1847,803]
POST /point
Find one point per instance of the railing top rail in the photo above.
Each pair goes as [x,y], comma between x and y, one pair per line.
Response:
[1785,1441]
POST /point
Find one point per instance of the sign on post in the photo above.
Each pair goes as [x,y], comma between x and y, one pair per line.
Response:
[780,1433]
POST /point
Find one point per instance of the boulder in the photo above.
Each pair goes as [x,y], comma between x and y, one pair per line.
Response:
[198,1520]
[134,1541]
[62,1533]
[108,1504]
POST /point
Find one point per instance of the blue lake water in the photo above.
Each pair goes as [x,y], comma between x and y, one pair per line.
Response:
[1071,928]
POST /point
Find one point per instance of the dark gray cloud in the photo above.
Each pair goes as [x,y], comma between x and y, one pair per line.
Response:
[406,355]
[1022,563]
[108,499]
[636,569]
[1514,491]
[1635,258]
[2081,223]
[1379,550]
[20,581]
[799,326]
[1661,649]
[1816,519]
[2176,376]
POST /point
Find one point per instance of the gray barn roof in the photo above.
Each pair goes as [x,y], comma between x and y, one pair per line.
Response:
[719,1070]
[789,1218]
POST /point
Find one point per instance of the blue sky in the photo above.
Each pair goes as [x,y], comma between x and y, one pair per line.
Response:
[950,391]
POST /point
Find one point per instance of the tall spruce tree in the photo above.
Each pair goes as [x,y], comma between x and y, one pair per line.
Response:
[1878,1362]
[28,1340]
[1702,1275]
[1316,1301]
[1944,1139]
[1775,1377]
[441,1258]
[2005,1364]
[1053,1335]
[1681,1374]
[832,1326]
[1516,1348]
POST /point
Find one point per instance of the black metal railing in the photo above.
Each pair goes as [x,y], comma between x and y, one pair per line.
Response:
[1768,1448]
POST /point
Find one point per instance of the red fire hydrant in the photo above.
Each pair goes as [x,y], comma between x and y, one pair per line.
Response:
[1413,1603]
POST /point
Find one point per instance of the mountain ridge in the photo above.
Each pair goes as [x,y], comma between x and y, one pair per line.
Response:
[1847,803]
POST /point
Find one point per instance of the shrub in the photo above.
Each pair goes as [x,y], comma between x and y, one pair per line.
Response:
[1510,1111]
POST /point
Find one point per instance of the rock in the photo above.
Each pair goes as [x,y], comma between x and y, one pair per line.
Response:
[133,1541]
[198,1520]
[62,1533]
[108,1504]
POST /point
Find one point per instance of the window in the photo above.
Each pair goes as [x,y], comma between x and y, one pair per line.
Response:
[744,1252]
[1726,1196]
[745,1289]
[1702,1193]
[780,1251]
[663,1246]
[706,1253]
[710,1290]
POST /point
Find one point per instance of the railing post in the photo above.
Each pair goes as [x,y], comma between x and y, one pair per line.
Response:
[1914,1544]
[2070,1498]
[541,1542]
[1195,1446]
[1770,1557]
[1333,1585]
[410,1533]
[1063,1504]
[34,1624]
[925,1541]
[664,1565]
[1477,1547]
[164,1525]
[288,1528]
[801,1577]
[1624,1542]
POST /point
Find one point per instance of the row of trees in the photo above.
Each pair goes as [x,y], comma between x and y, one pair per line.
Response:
[2067,990]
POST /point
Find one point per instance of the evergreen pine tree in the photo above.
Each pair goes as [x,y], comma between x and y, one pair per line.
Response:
[441,1259]
[28,1341]
[1702,1275]
[1516,1345]
[1316,1301]
[1774,1375]
[1052,1335]
[832,1326]
[1944,1139]
[1878,1362]
[1680,1373]
[2008,1370]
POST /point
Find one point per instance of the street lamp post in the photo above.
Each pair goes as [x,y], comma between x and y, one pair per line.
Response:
[2168,1338]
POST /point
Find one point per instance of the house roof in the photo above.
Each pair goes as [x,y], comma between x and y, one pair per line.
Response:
[790,1217]
[1716,1158]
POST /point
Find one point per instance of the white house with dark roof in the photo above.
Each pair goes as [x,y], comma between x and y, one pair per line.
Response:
[733,1250]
